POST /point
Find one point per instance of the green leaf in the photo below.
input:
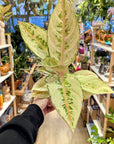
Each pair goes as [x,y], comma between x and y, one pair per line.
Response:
[35,38]
[89,140]
[41,95]
[63,34]
[5,9]
[49,62]
[91,84]
[5,19]
[94,128]
[45,70]
[40,85]
[66,95]
[8,14]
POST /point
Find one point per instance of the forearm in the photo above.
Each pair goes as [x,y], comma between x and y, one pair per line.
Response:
[22,129]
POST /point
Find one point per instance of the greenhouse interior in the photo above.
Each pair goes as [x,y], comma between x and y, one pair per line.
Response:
[56,71]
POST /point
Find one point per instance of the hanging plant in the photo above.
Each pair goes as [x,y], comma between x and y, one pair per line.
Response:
[57,47]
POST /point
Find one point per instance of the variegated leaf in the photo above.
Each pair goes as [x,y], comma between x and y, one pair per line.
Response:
[40,86]
[63,33]
[35,38]
[41,95]
[40,89]
[52,64]
[91,84]
[49,62]
[45,70]
[66,95]
[86,94]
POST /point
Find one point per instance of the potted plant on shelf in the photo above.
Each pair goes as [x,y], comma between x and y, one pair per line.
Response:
[57,47]
[4,67]
[104,61]
[84,63]
[96,55]
[108,139]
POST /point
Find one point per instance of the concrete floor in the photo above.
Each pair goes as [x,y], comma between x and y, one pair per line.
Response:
[55,131]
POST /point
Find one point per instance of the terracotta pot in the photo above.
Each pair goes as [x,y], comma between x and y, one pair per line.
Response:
[17,83]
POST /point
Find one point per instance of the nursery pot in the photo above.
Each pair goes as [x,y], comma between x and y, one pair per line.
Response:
[84,66]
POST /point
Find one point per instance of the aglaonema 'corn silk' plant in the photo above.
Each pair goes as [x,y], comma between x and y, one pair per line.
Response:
[57,47]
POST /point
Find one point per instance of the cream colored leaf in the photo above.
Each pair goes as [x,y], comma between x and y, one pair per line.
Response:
[66,95]
[41,95]
[63,34]
[35,38]
[91,84]
[40,85]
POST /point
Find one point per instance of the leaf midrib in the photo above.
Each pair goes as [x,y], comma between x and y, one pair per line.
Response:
[63,33]
[65,97]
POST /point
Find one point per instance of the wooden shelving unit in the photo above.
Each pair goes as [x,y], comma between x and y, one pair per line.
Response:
[10,74]
[109,80]
[105,47]
[3,78]
[5,46]
[100,104]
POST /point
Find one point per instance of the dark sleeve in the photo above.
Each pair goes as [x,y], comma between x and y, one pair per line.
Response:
[22,129]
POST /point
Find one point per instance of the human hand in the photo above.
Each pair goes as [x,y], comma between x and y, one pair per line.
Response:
[45,105]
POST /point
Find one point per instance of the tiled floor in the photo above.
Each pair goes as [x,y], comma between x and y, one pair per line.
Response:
[55,131]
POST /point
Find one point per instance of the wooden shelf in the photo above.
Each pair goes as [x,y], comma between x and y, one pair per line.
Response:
[89,108]
[3,78]
[4,46]
[100,104]
[105,47]
[109,80]
[101,76]
[6,105]
[9,74]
